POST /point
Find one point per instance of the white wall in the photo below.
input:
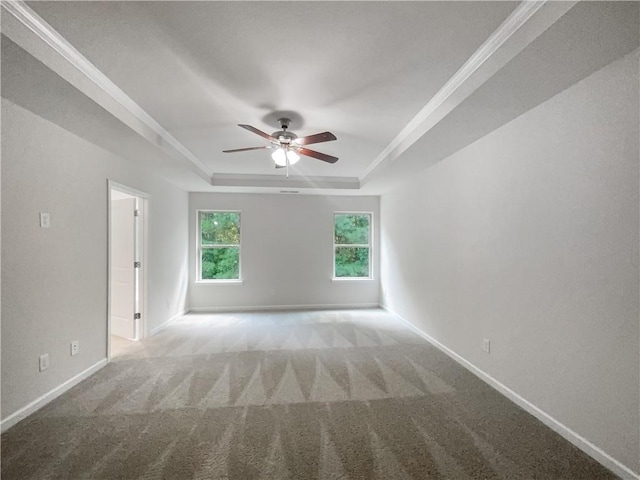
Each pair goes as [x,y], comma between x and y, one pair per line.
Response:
[529,237]
[287,252]
[54,281]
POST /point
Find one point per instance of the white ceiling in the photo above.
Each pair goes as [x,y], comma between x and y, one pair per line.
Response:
[401,84]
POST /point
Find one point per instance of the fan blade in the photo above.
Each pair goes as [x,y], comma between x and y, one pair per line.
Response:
[320,156]
[317,138]
[245,149]
[259,132]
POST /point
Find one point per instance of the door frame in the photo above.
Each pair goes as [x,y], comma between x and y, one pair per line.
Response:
[142,242]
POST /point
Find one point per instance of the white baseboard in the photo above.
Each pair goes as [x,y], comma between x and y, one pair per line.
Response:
[40,402]
[582,443]
[167,323]
[257,308]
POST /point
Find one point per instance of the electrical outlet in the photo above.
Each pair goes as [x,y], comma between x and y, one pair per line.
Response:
[75,347]
[44,362]
[486,345]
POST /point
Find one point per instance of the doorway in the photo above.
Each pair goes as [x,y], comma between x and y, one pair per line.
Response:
[127,240]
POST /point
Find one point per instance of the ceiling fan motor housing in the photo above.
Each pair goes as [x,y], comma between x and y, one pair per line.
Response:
[283,135]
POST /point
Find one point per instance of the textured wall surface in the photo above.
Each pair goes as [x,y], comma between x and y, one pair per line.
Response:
[529,237]
[287,252]
[54,280]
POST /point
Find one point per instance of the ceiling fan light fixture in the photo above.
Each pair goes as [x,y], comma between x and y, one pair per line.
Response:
[293,157]
[279,157]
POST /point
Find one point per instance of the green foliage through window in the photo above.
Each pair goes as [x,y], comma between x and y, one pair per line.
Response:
[219,245]
[351,229]
[220,228]
[352,232]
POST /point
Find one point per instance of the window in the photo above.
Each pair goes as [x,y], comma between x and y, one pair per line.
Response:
[218,246]
[352,245]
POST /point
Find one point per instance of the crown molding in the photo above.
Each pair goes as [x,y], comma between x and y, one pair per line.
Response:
[280,182]
[125,108]
[502,46]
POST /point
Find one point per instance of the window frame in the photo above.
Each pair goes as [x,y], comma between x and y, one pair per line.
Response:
[353,245]
[200,247]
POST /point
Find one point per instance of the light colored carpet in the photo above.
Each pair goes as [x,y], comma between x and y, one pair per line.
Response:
[287,395]
[119,345]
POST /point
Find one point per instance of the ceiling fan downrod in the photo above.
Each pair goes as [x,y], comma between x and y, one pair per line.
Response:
[284,123]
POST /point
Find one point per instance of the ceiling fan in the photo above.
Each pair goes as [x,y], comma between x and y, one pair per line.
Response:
[288,146]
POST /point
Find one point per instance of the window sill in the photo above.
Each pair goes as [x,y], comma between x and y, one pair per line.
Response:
[352,279]
[219,282]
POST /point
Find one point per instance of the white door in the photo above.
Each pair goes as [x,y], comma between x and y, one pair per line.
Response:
[123,272]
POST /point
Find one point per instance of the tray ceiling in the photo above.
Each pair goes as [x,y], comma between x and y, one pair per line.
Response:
[173,79]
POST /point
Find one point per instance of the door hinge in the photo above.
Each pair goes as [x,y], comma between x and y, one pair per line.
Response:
[137,316]
[137,265]
[137,213]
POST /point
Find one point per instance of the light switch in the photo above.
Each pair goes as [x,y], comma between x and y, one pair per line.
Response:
[45,220]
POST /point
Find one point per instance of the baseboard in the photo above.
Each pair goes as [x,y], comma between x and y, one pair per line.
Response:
[257,308]
[40,402]
[582,443]
[167,323]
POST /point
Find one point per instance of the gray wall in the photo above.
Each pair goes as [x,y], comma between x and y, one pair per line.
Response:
[529,237]
[54,281]
[287,252]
